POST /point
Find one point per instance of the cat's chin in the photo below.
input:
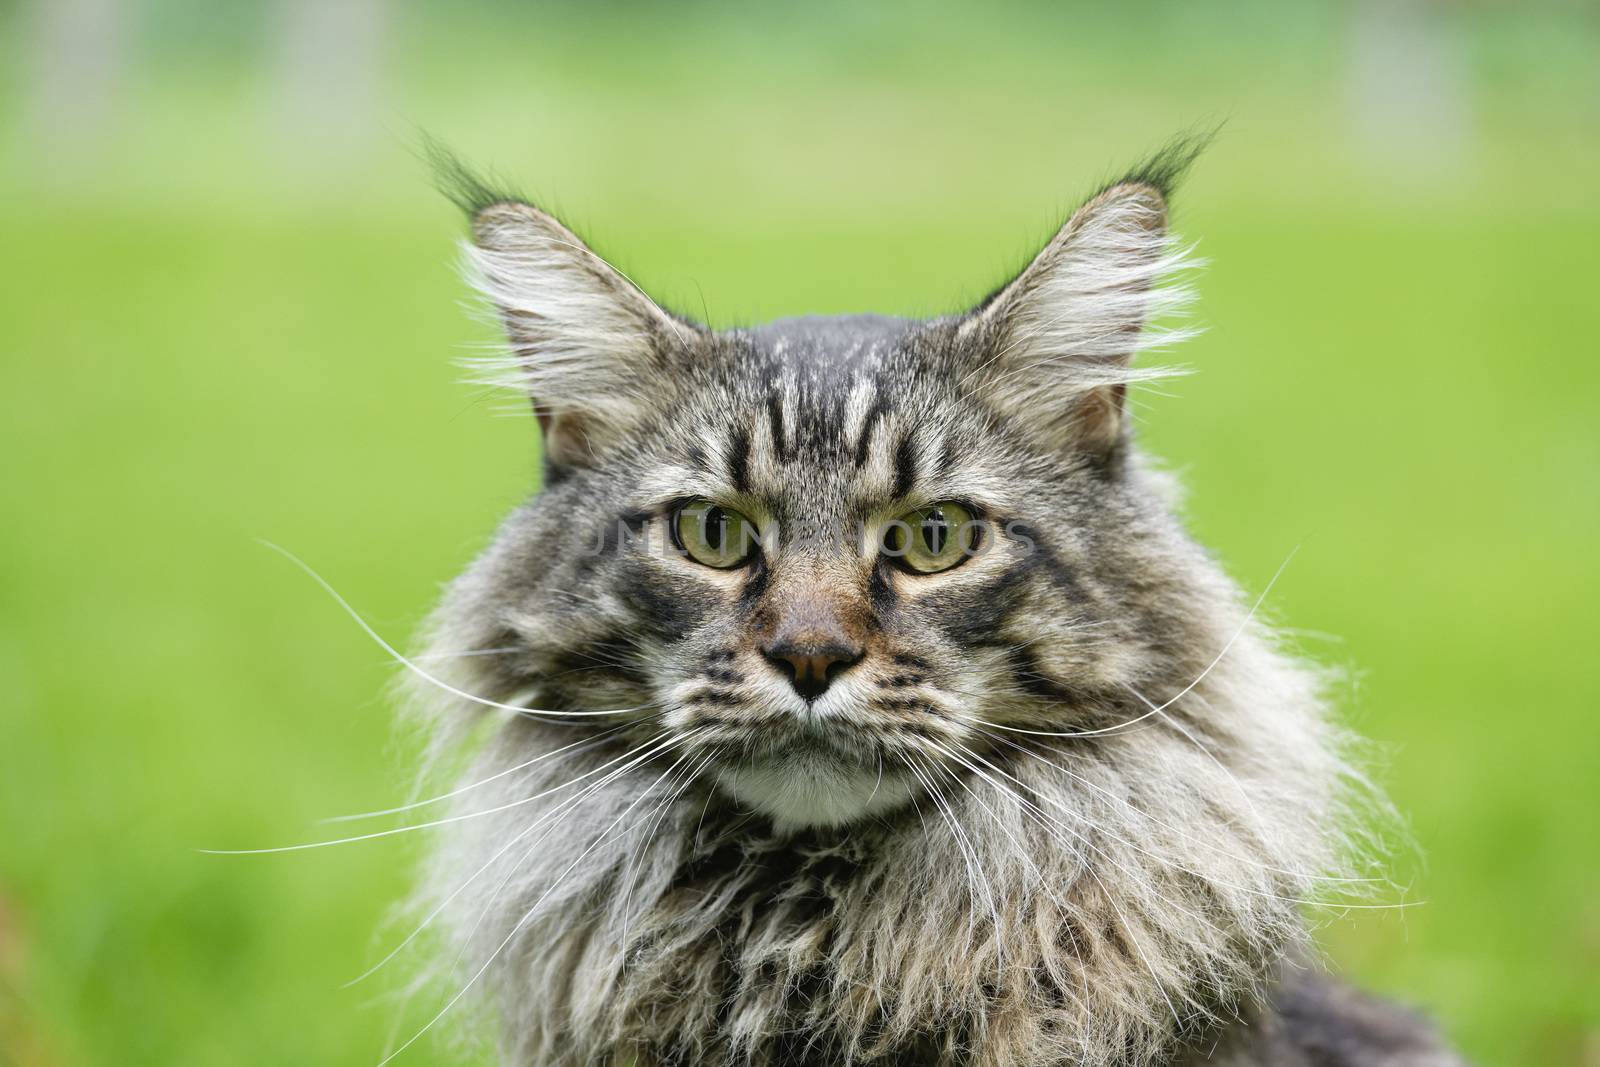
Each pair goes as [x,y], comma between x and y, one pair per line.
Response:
[807,789]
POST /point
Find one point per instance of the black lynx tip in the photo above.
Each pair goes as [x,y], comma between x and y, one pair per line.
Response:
[1165,168]
[467,189]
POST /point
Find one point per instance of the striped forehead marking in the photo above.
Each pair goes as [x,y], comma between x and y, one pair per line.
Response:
[856,436]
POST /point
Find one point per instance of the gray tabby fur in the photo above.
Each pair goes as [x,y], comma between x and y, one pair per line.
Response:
[900,873]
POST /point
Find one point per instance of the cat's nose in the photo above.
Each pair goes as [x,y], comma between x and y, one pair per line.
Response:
[812,666]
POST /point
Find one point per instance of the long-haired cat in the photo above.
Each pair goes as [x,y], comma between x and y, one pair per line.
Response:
[850,694]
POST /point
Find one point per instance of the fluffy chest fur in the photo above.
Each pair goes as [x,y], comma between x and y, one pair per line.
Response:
[1051,906]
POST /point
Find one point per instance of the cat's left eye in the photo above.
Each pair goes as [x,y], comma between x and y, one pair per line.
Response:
[932,539]
[713,535]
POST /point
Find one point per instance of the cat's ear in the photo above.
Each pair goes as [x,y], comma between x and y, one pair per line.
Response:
[1054,348]
[586,344]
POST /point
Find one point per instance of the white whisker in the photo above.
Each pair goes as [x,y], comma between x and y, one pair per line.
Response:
[666,804]
[555,812]
[1154,711]
[1147,816]
[1214,880]
[526,917]
[1045,821]
[400,658]
[969,855]
[392,831]
[583,745]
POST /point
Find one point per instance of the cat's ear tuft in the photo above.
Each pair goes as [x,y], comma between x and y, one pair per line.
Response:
[1054,348]
[585,343]
[468,189]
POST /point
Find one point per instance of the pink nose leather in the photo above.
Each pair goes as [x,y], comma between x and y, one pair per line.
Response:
[812,670]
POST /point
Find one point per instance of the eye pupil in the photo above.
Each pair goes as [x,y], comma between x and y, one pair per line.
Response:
[936,531]
[716,527]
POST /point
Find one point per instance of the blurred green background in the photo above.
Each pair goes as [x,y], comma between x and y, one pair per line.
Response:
[228,311]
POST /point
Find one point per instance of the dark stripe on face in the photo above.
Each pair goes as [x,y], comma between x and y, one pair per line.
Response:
[613,656]
[664,611]
[634,520]
[880,590]
[1034,682]
[760,575]
[864,442]
[717,697]
[623,528]
[1046,560]
[976,615]
[905,465]
[739,460]
[775,416]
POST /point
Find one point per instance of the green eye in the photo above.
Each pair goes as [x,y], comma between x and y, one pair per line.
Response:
[714,535]
[933,538]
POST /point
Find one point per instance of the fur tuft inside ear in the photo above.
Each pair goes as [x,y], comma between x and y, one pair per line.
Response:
[585,342]
[1058,342]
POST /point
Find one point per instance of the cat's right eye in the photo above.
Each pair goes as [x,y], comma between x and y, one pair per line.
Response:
[932,539]
[713,535]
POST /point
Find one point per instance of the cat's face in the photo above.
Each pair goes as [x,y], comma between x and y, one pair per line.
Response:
[838,564]
[827,561]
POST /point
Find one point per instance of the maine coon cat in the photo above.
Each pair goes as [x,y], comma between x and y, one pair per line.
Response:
[850,694]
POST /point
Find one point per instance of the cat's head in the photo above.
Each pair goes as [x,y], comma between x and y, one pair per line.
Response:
[832,560]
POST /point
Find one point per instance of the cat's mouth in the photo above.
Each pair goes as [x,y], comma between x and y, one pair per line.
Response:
[813,763]
[809,782]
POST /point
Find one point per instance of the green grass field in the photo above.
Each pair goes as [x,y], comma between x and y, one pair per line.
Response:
[207,340]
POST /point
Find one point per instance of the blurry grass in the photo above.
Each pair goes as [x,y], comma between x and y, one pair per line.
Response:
[205,346]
